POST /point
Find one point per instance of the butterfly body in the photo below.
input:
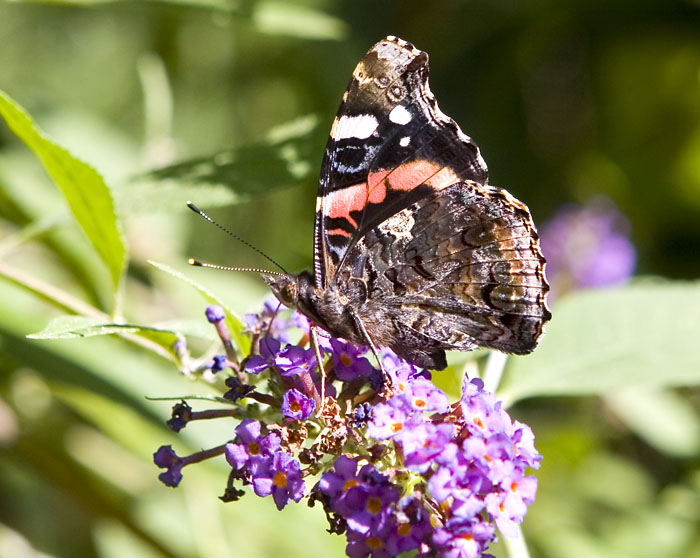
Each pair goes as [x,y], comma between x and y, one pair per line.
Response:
[413,249]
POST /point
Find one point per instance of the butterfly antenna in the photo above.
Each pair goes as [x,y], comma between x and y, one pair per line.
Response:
[197,263]
[201,213]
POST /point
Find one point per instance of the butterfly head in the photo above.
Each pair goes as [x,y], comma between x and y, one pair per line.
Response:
[284,287]
[290,290]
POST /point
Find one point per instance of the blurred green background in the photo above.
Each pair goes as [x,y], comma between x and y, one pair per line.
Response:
[232,102]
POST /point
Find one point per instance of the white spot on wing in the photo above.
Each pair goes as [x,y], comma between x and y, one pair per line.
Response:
[404,141]
[399,225]
[400,115]
[361,126]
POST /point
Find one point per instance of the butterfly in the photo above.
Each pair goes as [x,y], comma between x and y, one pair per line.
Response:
[413,250]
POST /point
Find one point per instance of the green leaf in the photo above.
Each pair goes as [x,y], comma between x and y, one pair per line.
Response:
[284,158]
[166,197]
[642,335]
[664,419]
[71,327]
[233,322]
[84,189]
[294,20]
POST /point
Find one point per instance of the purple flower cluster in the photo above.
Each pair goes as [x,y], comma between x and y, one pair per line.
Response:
[402,469]
[379,522]
[260,461]
[483,467]
[473,458]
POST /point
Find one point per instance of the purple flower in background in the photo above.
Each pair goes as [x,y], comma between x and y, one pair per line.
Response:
[297,319]
[260,323]
[218,363]
[296,405]
[587,246]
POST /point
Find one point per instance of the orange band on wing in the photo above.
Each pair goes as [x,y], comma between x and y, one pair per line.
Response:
[339,232]
[408,176]
[340,203]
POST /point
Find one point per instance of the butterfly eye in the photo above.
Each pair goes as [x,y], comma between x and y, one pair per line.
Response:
[288,294]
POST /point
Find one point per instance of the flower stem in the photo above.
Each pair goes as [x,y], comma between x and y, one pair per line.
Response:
[215,413]
[204,454]
[516,547]
[264,398]
[310,388]
[493,372]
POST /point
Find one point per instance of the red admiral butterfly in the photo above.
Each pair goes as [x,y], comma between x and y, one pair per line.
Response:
[412,249]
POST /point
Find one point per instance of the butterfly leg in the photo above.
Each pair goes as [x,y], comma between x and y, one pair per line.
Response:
[389,387]
[317,349]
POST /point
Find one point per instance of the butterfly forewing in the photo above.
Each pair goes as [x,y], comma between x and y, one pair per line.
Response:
[389,146]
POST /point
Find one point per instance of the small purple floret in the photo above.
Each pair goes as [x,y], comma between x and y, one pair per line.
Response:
[281,477]
[349,361]
[296,405]
[181,415]
[254,449]
[269,348]
[294,360]
[215,313]
[218,363]
[166,458]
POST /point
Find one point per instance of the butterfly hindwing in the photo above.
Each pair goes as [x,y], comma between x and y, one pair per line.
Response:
[389,145]
[457,269]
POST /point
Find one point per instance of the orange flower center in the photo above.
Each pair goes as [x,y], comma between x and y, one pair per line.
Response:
[280,479]
[253,448]
[374,505]
[404,529]
[467,537]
